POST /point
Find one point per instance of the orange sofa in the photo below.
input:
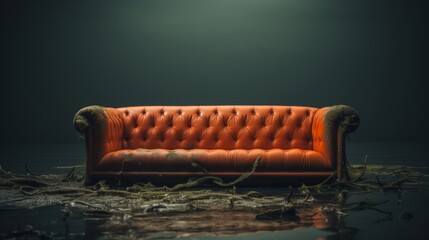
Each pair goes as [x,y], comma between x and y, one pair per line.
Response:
[164,144]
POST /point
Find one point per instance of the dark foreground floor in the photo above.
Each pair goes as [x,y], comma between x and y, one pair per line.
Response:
[410,210]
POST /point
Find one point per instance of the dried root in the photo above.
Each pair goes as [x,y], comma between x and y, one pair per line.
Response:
[141,199]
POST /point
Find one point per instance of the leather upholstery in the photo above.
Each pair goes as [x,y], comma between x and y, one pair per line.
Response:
[223,127]
[217,160]
[218,138]
[322,142]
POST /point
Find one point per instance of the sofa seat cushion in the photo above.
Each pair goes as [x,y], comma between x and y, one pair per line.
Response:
[217,160]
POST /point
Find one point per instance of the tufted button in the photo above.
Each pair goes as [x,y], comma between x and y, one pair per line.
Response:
[170,121]
[234,111]
[152,123]
[253,112]
[243,122]
[144,112]
[271,112]
[289,111]
[161,112]
[307,112]
[216,112]
[198,112]
[225,123]
[127,113]
[189,123]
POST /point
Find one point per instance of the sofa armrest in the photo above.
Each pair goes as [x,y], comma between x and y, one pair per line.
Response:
[103,131]
[329,129]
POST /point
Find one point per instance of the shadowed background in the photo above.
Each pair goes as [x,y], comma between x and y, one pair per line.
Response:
[59,56]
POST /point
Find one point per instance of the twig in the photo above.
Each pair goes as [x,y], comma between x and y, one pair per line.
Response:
[196,165]
[87,204]
[29,182]
[5,174]
[255,194]
[324,182]
[289,194]
[69,174]
[30,172]
[216,180]
[242,177]
[363,171]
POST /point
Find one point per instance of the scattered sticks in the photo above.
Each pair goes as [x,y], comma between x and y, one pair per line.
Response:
[140,199]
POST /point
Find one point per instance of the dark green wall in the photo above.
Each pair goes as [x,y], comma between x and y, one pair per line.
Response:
[58,56]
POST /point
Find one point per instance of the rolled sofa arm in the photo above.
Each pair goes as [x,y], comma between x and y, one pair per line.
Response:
[343,117]
[103,131]
[89,116]
[330,127]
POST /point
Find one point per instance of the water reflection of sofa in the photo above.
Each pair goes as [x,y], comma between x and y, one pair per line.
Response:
[167,144]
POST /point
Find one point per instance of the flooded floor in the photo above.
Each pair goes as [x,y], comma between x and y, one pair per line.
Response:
[407,217]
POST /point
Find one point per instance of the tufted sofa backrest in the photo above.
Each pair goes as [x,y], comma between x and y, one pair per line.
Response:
[217,127]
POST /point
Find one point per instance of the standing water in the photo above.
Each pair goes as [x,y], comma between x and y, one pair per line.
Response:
[398,214]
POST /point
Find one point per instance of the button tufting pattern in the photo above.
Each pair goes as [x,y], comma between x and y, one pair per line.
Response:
[248,127]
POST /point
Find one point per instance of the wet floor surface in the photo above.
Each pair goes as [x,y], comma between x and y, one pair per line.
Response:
[407,218]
